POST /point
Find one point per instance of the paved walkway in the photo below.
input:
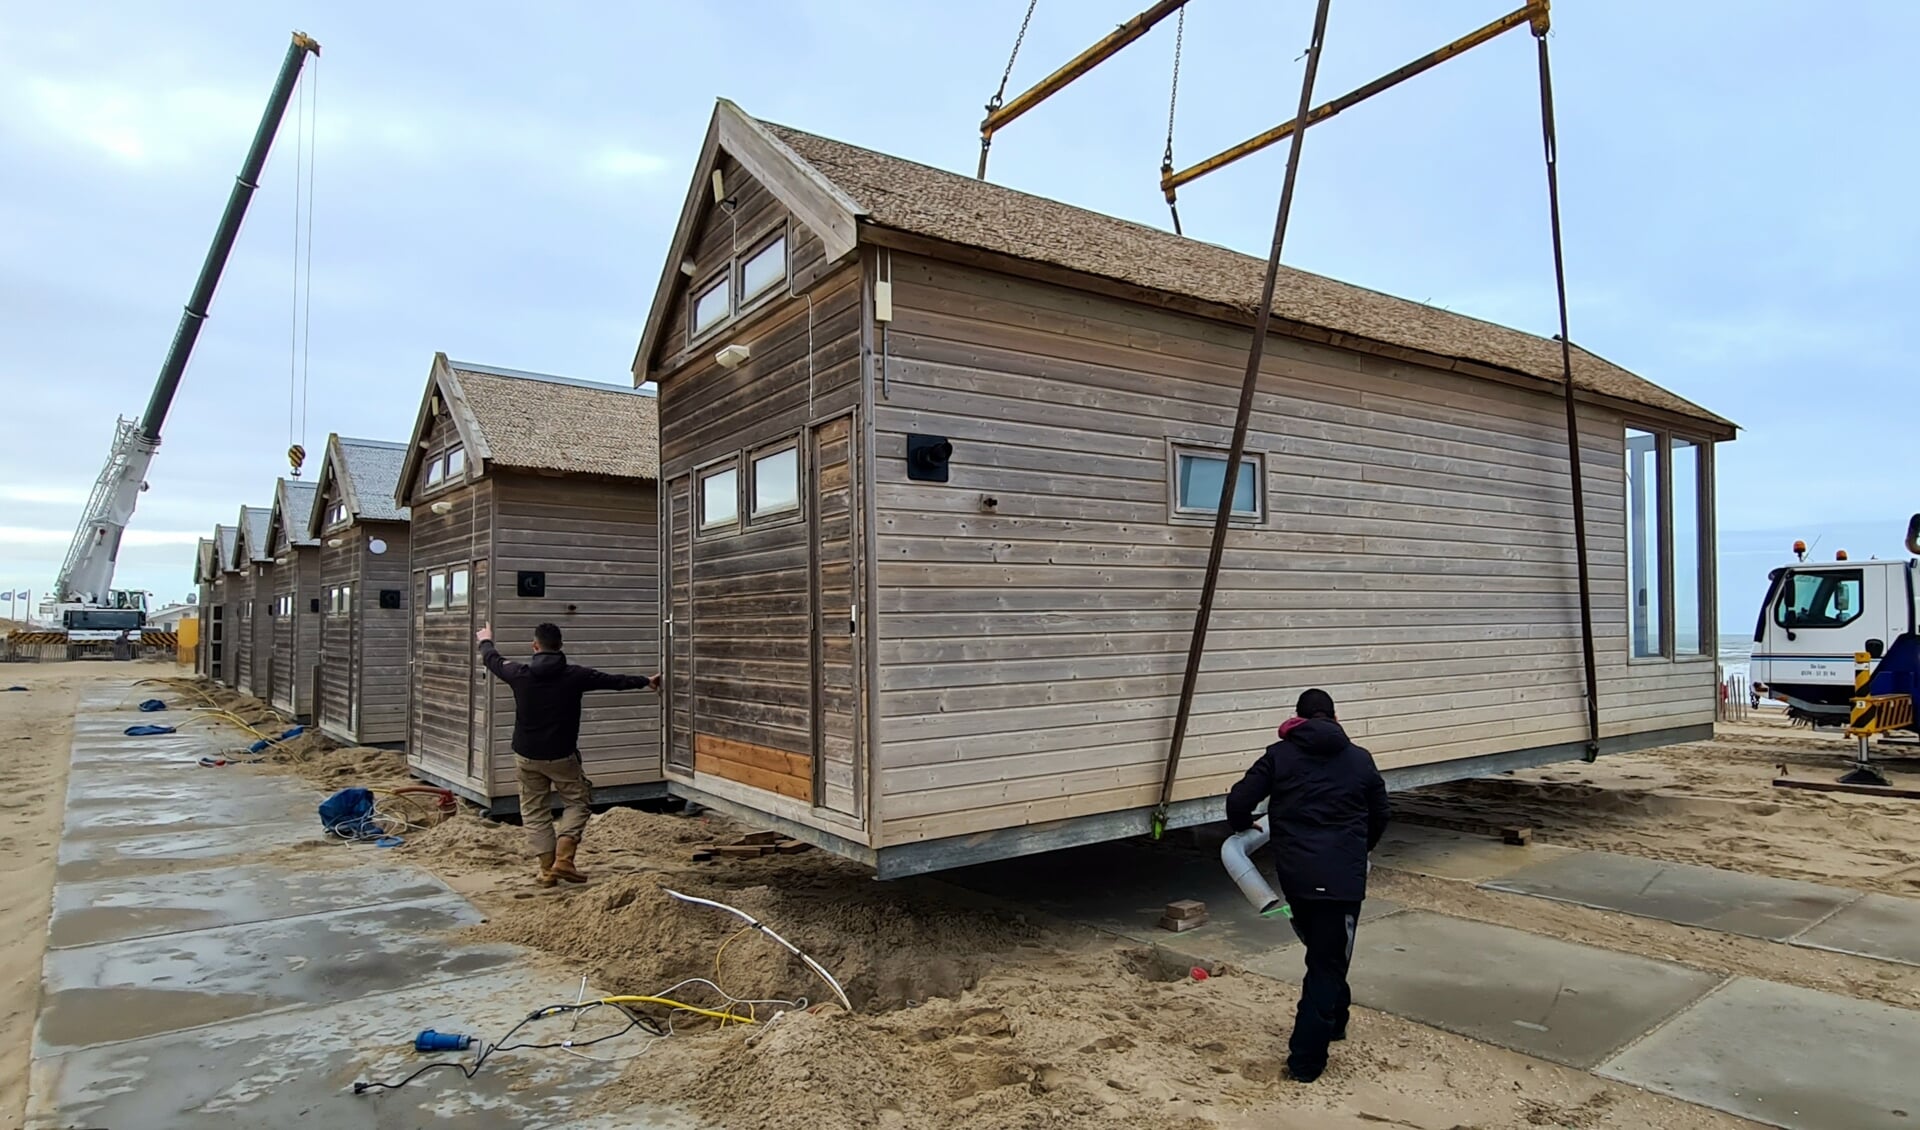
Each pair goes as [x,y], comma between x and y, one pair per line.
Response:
[213,963]
[1777,1054]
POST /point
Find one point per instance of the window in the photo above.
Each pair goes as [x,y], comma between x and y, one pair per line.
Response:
[436,590]
[436,471]
[456,462]
[1199,477]
[720,498]
[457,589]
[338,514]
[1645,550]
[776,482]
[1826,599]
[1690,594]
[346,599]
[710,308]
[766,267]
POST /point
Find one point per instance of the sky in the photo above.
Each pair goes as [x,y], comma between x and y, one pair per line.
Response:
[499,182]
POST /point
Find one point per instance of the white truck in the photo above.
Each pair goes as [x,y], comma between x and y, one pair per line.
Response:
[1818,615]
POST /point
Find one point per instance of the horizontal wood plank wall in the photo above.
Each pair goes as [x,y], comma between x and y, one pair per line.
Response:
[380,672]
[597,542]
[339,565]
[445,661]
[1416,559]
[239,630]
[219,623]
[260,634]
[748,643]
[296,635]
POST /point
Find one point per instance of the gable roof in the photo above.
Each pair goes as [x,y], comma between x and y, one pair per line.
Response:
[891,194]
[227,546]
[292,498]
[516,420]
[367,471]
[203,563]
[255,522]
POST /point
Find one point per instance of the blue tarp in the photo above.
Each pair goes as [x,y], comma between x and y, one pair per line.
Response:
[261,745]
[349,815]
[151,705]
[147,731]
[16,688]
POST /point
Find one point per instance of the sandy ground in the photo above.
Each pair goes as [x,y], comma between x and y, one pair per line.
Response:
[967,1013]
[36,730]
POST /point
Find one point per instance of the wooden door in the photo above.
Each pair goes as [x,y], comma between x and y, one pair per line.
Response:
[676,556]
[833,538]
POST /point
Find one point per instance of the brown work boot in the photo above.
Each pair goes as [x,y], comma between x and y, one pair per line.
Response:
[563,860]
[546,878]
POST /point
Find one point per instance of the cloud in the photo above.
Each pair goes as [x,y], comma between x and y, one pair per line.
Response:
[70,495]
[617,162]
[133,127]
[29,535]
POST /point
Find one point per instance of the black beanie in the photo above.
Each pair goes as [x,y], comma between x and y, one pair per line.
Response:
[1314,703]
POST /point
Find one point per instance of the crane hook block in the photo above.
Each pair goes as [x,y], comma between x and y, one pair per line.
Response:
[296,455]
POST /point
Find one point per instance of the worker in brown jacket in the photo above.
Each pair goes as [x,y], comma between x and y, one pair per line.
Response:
[546,743]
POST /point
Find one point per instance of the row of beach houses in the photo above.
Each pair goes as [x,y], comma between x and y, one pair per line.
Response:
[909,500]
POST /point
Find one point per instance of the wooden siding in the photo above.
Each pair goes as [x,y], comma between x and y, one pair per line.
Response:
[296,635]
[445,669]
[364,652]
[260,633]
[597,543]
[1416,559]
[741,684]
[722,237]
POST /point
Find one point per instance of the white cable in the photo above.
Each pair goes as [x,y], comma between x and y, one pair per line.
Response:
[768,931]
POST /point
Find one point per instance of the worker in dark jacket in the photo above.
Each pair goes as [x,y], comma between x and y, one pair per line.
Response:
[546,743]
[1328,809]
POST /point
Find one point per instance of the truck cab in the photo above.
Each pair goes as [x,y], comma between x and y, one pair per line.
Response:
[1816,617]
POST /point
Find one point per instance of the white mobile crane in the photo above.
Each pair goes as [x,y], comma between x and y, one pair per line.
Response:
[84,604]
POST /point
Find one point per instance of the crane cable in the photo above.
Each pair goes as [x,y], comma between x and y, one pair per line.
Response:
[999,95]
[1173,100]
[299,348]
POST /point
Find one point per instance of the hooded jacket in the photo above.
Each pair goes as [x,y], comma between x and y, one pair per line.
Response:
[546,699]
[1328,810]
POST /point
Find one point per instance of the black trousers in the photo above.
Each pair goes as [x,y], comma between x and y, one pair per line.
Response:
[1327,929]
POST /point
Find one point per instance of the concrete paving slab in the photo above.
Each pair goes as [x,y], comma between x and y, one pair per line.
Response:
[1753,905]
[1568,1003]
[1456,855]
[1785,1056]
[1122,887]
[298,1068]
[83,859]
[107,910]
[183,782]
[145,986]
[1882,926]
[136,815]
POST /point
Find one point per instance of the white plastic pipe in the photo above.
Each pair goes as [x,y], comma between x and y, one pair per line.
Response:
[1237,854]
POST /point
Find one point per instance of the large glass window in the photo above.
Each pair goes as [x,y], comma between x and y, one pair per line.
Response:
[1644,548]
[1826,599]
[776,482]
[1199,477]
[1690,589]
[720,498]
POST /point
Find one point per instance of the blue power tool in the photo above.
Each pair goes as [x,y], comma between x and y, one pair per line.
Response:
[432,1041]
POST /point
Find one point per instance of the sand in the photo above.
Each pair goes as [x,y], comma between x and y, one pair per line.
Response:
[36,730]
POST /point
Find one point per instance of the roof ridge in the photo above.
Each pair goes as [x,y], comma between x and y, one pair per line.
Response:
[545,378]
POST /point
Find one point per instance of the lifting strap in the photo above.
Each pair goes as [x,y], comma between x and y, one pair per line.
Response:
[1550,145]
[1263,318]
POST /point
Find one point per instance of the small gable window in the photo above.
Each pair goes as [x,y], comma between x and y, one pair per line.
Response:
[763,269]
[456,462]
[436,471]
[710,307]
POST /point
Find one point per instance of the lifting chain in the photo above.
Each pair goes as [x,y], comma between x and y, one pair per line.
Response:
[1000,94]
[1173,100]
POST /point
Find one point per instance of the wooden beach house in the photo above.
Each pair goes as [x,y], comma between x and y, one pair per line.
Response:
[223,617]
[531,499]
[296,599]
[941,461]
[362,533]
[253,632]
[206,575]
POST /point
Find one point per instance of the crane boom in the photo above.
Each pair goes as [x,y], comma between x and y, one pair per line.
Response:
[87,574]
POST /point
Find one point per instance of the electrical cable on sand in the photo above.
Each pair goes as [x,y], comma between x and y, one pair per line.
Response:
[755,923]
